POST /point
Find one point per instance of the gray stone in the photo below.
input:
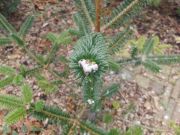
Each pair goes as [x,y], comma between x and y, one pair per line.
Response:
[126,75]
[142,81]
[170,109]
[176,114]
[176,90]
[157,86]
[166,95]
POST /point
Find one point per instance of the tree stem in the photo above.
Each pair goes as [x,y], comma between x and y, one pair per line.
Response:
[98,15]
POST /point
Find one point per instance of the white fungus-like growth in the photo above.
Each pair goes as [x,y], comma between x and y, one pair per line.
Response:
[90,101]
[88,66]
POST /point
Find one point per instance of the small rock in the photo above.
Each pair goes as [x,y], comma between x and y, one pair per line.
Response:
[166,95]
[143,82]
[158,87]
[176,113]
[125,75]
[170,108]
[176,90]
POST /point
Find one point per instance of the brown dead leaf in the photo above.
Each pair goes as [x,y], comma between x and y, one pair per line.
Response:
[52,1]
[32,123]
[40,4]
[1,117]
[70,104]
[42,44]
[51,130]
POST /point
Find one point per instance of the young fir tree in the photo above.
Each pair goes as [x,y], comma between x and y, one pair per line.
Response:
[91,58]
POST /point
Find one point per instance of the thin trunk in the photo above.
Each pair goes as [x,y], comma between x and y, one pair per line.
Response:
[98,15]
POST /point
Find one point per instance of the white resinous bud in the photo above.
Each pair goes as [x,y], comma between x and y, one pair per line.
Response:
[88,66]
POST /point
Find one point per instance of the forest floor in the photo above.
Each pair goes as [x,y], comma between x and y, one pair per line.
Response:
[146,99]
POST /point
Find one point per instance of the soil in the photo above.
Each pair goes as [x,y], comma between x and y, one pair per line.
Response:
[136,105]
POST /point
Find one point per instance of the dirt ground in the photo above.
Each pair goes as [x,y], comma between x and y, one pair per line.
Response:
[139,105]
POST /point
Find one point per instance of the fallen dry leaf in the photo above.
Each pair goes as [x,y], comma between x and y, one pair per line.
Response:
[40,4]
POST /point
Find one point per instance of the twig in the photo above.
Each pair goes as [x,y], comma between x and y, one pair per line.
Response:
[76,122]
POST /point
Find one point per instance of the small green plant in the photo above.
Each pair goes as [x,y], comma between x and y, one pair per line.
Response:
[9,6]
[175,127]
[92,57]
[107,118]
